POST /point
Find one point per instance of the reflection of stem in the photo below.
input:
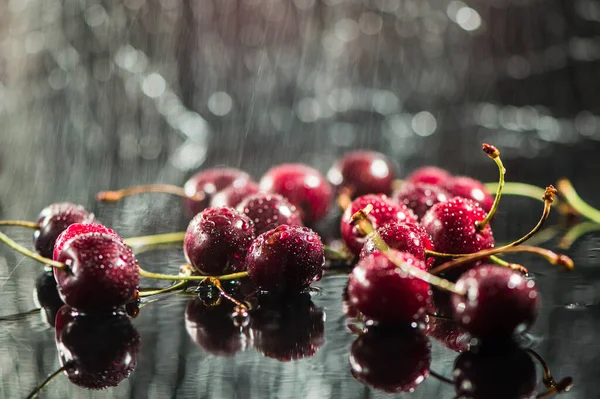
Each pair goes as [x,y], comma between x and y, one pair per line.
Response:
[548,380]
[146,241]
[174,287]
[440,377]
[20,316]
[574,200]
[217,284]
[43,385]
[577,231]
[563,385]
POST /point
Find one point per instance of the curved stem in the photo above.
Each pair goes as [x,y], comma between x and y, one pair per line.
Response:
[513,266]
[548,379]
[174,287]
[159,276]
[20,223]
[217,284]
[157,239]
[30,254]
[440,377]
[365,226]
[493,153]
[521,190]
[562,260]
[43,385]
[563,385]
[113,196]
[577,231]
[567,191]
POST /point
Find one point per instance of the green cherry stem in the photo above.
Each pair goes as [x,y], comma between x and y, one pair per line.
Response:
[20,223]
[493,153]
[159,276]
[577,231]
[47,381]
[171,288]
[158,239]
[30,254]
[567,191]
[114,196]
[554,388]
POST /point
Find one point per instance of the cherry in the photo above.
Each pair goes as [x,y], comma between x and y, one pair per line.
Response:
[212,328]
[466,187]
[77,229]
[234,194]
[391,358]
[217,239]
[384,211]
[53,220]
[419,197]
[268,211]
[101,272]
[288,328]
[429,175]
[303,186]
[97,350]
[46,297]
[285,259]
[404,237]
[384,293]
[207,183]
[449,333]
[363,172]
[498,302]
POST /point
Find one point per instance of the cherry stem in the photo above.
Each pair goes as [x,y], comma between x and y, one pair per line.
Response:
[20,223]
[493,153]
[365,226]
[215,282]
[440,377]
[567,191]
[344,199]
[114,196]
[563,385]
[513,266]
[30,254]
[20,316]
[47,381]
[159,276]
[577,231]
[555,259]
[524,190]
[332,254]
[548,379]
[174,287]
[158,239]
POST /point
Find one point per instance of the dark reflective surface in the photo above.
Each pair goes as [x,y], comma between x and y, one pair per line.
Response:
[97,94]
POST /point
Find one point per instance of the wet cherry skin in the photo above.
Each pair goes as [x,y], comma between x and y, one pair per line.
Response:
[429,175]
[216,241]
[419,197]
[466,187]
[285,259]
[53,220]
[234,194]
[267,211]
[303,186]
[77,229]
[363,172]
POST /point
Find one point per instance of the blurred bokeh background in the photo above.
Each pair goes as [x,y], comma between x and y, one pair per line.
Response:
[98,94]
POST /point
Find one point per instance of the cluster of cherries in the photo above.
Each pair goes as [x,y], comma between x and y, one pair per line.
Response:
[400,237]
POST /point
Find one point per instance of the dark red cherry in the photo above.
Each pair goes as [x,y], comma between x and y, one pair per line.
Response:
[466,187]
[101,274]
[77,229]
[288,328]
[216,241]
[53,220]
[449,333]
[46,297]
[384,211]
[98,350]
[268,211]
[212,328]
[303,186]
[285,259]
[383,293]
[404,237]
[391,358]
[209,182]
[419,197]
[452,226]
[234,194]
[495,373]
[498,302]
[348,309]
[429,175]
[363,172]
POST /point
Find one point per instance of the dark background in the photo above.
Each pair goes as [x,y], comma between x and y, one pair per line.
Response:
[105,94]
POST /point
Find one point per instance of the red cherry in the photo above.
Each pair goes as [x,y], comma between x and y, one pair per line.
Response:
[384,211]
[452,226]
[207,183]
[216,241]
[403,237]
[285,259]
[419,197]
[466,187]
[288,328]
[79,228]
[303,186]
[363,172]
[498,302]
[391,358]
[449,333]
[234,194]
[101,274]
[98,350]
[429,175]
[268,211]
[383,293]
[53,220]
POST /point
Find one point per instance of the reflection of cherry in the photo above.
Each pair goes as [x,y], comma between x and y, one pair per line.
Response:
[288,328]
[97,351]
[212,328]
[46,296]
[391,358]
[449,333]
